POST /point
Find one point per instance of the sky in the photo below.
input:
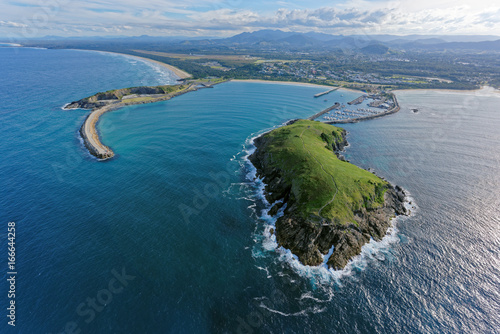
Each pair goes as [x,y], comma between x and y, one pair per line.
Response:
[222,18]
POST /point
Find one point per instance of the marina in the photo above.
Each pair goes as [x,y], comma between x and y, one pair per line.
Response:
[377,105]
[342,116]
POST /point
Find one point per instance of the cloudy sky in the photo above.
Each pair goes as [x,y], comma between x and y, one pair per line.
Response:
[37,18]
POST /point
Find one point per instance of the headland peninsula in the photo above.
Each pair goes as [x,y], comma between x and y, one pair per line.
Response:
[329,205]
[103,102]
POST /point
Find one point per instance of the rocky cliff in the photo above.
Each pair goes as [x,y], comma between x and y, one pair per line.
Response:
[362,206]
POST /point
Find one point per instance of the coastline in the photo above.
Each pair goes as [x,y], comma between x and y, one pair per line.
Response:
[90,137]
[295,83]
[177,71]
[309,241]
[487,90]
[321,272]
[8,45]
[92,141]
[88,129]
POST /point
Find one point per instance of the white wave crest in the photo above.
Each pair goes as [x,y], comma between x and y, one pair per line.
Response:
[266,238]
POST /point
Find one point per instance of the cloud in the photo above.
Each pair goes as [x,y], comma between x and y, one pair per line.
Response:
[328,18]
[226,17]
[12,24]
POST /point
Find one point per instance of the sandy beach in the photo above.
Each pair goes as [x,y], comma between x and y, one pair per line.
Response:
[483,91]
[297,84]
[177,71]
[282,82]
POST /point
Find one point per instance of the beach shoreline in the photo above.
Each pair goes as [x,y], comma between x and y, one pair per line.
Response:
[177,71]
[295,83]
[488,90]
[483,89]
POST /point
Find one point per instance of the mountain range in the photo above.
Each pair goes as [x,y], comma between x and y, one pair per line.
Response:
[283,40]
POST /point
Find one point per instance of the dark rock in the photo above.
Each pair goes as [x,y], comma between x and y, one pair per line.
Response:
[311,238]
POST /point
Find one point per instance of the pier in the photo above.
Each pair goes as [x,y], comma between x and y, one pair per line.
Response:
[335,106]
[359,100]
[327,92]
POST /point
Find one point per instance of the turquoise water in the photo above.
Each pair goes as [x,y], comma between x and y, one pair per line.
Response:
[177,210]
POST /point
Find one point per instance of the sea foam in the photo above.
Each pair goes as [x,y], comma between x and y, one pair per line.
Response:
[266,241]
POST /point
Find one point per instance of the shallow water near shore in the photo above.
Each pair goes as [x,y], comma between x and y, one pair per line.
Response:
[176,210]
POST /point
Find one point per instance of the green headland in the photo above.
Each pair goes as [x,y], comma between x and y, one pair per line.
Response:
[329,202]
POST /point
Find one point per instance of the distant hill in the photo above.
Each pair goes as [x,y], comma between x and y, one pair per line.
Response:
[258,36]
[375,49]
[479,46]
[286,40]
[300,40]
[369,44]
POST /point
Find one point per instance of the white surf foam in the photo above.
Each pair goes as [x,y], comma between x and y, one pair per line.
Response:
[371,251]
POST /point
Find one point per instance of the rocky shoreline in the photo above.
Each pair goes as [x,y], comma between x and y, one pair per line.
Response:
[310,239]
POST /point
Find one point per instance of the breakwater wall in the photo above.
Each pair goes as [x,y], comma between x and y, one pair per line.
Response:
[327,92]
[359,100]
[88,130]
[335,106]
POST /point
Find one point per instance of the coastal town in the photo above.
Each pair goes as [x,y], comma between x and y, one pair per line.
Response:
[320,71]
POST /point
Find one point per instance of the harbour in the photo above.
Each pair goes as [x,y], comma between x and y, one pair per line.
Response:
[382,105]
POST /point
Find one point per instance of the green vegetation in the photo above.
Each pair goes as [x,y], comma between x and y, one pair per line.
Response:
[142,94]
[118,94]
[322,185]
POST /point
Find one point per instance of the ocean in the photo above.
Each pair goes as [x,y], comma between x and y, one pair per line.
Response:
[171,235]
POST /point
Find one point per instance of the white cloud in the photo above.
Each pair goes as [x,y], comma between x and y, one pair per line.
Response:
[11,24]
[226,17]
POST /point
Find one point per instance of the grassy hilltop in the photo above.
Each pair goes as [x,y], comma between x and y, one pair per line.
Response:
[329,202]
[322,185]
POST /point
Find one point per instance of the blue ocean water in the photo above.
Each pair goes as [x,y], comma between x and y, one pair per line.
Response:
[177,218]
